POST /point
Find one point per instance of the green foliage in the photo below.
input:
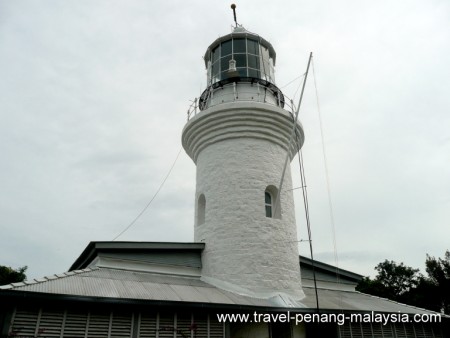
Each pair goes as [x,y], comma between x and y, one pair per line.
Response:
[9,275]
[425,295]
[406,285]
[439,274]
[397,279]
[373,287]
[394,281]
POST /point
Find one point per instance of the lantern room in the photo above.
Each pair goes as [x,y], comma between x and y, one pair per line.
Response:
[240,66]
[253,57]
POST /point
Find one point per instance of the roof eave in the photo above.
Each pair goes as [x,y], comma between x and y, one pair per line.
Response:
[330,268]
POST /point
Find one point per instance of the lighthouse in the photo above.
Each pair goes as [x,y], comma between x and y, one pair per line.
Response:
[239,141]
[241,276]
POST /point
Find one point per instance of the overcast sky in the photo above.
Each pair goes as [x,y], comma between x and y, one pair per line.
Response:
[94,94]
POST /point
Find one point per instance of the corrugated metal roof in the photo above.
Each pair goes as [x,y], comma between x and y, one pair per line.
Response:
[124,284]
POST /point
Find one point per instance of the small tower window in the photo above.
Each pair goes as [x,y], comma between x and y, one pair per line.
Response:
[268,203]
[201,206]
[271,204]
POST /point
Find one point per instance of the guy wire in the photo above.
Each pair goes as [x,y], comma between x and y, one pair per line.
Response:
[148,204]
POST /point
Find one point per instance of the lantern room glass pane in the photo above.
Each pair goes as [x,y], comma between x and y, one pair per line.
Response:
[242,72]
[241,60]
[252,47]
[266,70]
[215,68]
[225,63]
[254,73]
[215,54]
[253,61]
[239,46]
[224,75]
[226,48]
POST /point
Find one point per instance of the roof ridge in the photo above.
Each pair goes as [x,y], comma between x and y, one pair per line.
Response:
[46,278]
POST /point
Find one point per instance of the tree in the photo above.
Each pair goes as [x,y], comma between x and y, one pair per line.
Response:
[439,274]
[406,285]
[398,279]
[393,281]
[9,275]
[372,287]
[425,295]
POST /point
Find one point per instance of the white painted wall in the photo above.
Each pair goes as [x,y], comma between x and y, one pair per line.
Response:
[240,149]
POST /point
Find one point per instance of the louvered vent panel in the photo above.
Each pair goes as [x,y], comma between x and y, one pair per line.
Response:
[166,325]
[345,331]
[147,326]
[200,322]
[409,330]
[399,329]
[184,325]
[377,331]
[356,330]
[215,328]
[428,330]
[420,332]
[366,329]
[388,331]
[51,323]
[437,332]
[99,325]
[75,325]
[122,325]
[25,322]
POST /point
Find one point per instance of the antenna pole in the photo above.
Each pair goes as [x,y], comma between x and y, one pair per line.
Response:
[280,186]
[233,7]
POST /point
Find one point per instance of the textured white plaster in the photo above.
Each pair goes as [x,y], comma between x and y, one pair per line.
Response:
[239,151]
[240,120]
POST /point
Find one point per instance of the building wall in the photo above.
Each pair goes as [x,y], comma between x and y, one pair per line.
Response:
[265,330]
[108,322]
[104,322]
[400,330]
[111,321]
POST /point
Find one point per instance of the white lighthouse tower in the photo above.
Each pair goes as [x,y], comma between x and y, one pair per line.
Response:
[239,141]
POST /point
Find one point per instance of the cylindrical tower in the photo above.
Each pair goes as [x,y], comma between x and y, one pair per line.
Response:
[239,142]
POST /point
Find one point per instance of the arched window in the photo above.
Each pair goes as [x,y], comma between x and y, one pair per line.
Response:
[270,198]
[201,206]
[268,203]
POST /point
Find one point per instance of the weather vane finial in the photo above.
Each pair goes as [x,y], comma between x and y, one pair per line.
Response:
[233,7]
